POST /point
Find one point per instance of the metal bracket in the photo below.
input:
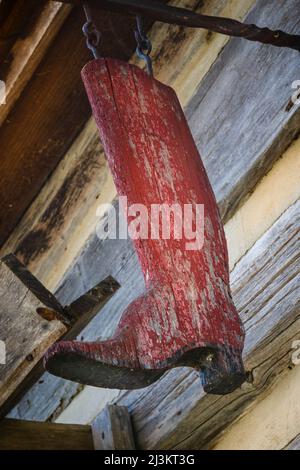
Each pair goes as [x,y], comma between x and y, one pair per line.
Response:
[159,11]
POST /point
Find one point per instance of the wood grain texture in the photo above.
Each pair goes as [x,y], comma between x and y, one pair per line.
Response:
[28,52]
[29,159]
[26,333]
[183,56]
[238,116]
[112,429]
[29,435]
[264,205]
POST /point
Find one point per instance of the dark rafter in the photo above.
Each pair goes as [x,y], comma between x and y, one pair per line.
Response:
[159,11]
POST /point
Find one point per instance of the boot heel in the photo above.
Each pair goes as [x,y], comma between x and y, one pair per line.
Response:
[223,371]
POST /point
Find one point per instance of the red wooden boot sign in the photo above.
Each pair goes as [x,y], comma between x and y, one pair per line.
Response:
[187,316]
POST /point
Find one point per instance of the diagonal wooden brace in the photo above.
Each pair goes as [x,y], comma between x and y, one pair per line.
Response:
[186,317]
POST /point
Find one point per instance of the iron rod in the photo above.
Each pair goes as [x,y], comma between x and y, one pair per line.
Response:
[159,11]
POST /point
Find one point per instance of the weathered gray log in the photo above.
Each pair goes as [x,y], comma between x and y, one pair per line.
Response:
[112,429]
[238,116]
[29,435]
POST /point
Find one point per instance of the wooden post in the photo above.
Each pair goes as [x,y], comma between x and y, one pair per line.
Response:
[112,429]
[31,320]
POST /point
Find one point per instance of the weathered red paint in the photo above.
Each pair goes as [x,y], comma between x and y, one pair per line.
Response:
[187,316]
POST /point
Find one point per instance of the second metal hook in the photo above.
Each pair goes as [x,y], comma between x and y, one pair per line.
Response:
[91,32]
[144,46]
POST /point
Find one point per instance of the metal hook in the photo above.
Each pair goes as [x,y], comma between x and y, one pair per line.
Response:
[144,46]
[91,32]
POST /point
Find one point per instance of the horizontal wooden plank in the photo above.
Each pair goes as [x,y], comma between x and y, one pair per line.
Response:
[183,56]
[16,19]
[30,158]
[238,116]
[52,233]
[29,435]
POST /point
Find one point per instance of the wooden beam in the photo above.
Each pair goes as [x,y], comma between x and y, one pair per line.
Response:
[52,233]
[31,320]
[30,435]
[28,52]
[49,230]
[112,429]
[264,206]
